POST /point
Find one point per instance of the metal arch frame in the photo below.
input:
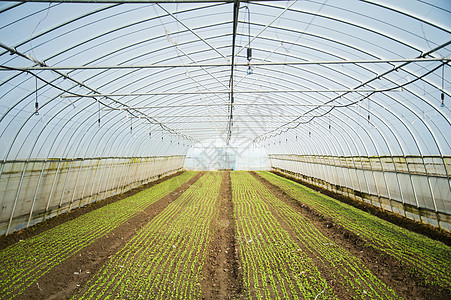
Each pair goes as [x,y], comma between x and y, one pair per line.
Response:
[410,131]
[367,153]
[57,27]
[355,25]
[83,25]
[135,44]
[418,148]
[301,11]
[339,143]
[137,79]
[420,98]
[19,130]
[366,84]
[382,21]
[383,173]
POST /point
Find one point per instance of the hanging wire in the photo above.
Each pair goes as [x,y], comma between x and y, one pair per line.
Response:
[284,128]
[36,104]
[249,49]
[442,95]
[98,103]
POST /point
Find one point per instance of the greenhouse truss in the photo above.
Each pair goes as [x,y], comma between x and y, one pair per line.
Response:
[99,97]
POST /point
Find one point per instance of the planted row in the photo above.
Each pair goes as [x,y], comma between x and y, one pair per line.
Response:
[165,258]
[347,274]
[273,264]
[25,262]
[430,258]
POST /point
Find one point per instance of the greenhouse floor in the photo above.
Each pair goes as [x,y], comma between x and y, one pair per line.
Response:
[222,235]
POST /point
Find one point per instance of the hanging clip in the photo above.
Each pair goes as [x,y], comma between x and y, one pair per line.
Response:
[249,57]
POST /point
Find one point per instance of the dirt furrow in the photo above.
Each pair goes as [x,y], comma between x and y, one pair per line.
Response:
[222,278]
[62,281]
[400,278]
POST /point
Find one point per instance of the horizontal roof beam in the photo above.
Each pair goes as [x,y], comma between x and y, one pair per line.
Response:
[203,65]
[217,104]
[130,1]
[225,116]
[227,92]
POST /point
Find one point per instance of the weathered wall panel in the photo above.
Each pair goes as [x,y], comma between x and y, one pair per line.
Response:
[37,190]
[414,186]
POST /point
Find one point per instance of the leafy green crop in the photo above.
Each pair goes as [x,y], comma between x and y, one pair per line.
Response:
[165,258]
[25,262]
[347,271]
[273,264]
[430,258]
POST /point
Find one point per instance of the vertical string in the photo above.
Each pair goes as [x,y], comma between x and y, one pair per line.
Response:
[249,49]
[98,102]
[442,95]
[249,25]
[36,104]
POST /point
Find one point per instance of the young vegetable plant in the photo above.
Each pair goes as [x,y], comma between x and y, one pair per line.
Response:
[431,258]
[25,262]
[165,258]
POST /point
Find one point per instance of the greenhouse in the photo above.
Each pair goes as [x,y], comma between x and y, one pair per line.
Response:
[225,149]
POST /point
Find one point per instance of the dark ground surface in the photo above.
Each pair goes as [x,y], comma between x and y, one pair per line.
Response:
[61,282]
[400,278]
[222,277]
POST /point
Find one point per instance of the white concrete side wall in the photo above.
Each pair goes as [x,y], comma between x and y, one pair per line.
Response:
[33,191]
[416,187]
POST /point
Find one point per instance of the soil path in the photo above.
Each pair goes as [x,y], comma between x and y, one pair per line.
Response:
[395,275]
[62,281]
[222,277]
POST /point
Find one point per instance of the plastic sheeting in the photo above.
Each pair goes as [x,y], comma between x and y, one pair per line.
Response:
[82,79]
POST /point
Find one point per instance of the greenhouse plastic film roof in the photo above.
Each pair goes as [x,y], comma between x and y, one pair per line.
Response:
[143,78]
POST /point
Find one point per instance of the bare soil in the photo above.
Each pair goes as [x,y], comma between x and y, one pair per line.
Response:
[62,281]
[222,278]
[222,273]
[400,278]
